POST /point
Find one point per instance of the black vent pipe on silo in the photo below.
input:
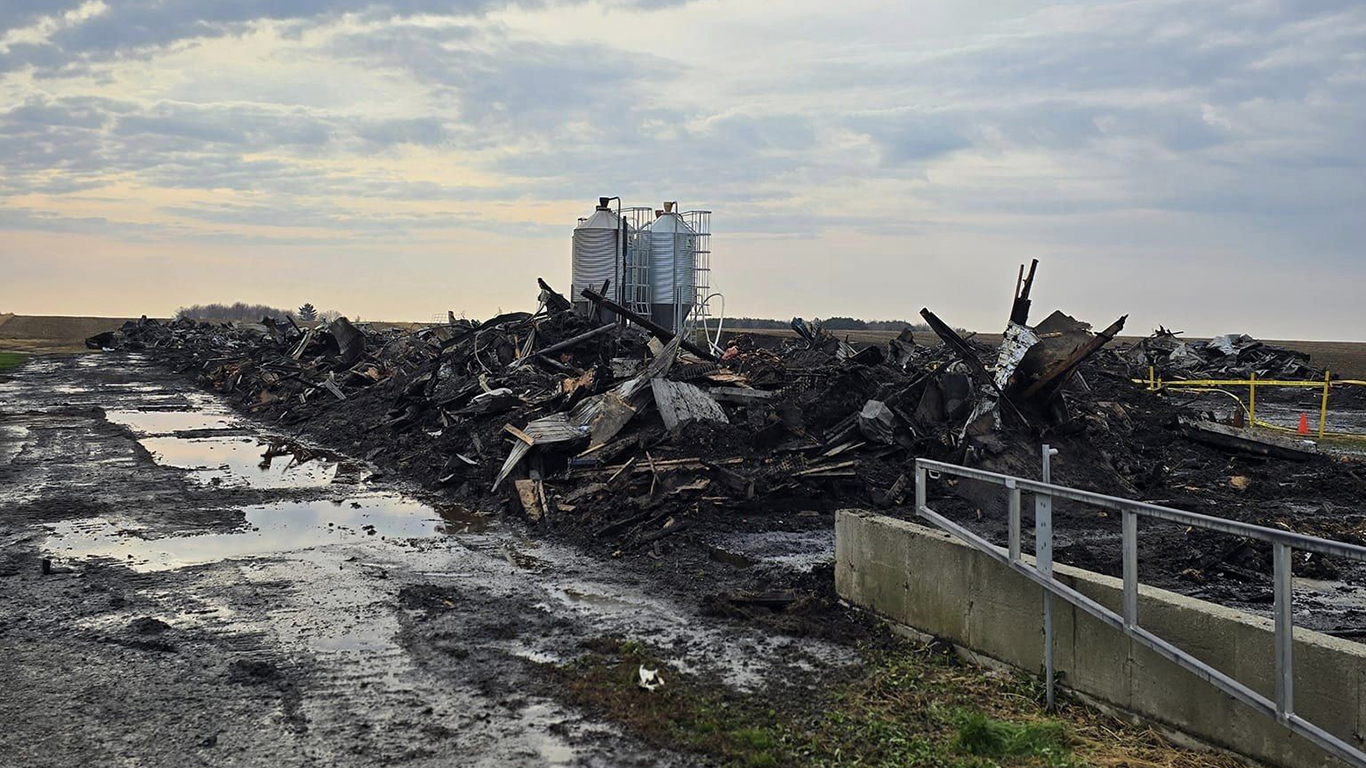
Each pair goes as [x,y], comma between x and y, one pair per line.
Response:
[619,247]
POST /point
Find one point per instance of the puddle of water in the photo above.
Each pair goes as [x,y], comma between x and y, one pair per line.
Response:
[244,461]
[796,550]
[284,526]
[503,550]
[536,656]
[100,386]
[1338,594]
[165,422]
[615,609]
[1336,605]
[599,600]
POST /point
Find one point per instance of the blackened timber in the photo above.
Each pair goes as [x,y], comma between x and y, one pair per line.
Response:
[571,341]
[1019,311]
[1056,376]
[739,394]
[969,357]
[659,331]
[553,298]
[955,342]
[597,308]
[459,337]
[1246,440]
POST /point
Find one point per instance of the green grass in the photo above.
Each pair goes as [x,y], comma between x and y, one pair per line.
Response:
[10,360]
[906,706]
[894,714]
[980,734]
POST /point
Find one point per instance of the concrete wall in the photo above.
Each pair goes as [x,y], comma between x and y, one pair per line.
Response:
[927,580]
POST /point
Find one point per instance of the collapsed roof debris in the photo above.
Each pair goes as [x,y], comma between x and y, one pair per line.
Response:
[593,419]
[1223,357]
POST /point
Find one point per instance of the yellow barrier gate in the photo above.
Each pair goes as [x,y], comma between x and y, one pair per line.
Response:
[1154,383]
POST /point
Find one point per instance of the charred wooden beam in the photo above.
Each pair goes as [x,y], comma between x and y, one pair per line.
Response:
[1058,374]
[1019,311]
[955,343]
[570,342]
[553,298]
[1246,441]
[960,347]
[659,331]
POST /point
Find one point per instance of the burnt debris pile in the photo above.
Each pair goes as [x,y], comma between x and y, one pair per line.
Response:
[1232,356]
[603,424]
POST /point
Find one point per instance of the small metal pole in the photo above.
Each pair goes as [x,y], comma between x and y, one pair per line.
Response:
[1130,569]
[1043,557]
[1323,409]
[1252,400]
[1152,379]
[1285,622]
[920,478]
[1014,520]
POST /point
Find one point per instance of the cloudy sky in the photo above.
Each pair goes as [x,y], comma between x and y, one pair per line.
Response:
[1193,163]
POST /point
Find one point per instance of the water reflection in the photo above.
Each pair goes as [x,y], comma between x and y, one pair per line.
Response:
[244,461]
[283,526]
[164,422]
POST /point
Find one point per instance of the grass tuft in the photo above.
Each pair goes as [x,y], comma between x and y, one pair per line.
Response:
[985,736]
[9,360]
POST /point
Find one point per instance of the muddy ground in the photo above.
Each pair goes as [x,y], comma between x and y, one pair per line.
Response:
[220,594]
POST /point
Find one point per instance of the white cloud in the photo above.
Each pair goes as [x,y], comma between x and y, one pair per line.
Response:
[1228,135]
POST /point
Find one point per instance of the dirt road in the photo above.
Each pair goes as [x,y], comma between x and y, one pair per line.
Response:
[222,595]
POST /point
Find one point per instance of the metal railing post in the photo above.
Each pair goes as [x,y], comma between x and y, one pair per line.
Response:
[1279,707]
[1130,568]
[1014,520]
[1285,640]
[920,479]
[1043,560]
[1323,407]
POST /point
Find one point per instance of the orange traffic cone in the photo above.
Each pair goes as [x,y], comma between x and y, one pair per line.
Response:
[1304,423]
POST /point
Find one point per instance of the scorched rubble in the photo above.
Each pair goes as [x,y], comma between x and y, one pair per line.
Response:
[613,432]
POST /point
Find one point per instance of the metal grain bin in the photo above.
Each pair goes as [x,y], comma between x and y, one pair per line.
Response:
[672,251]
[598,253]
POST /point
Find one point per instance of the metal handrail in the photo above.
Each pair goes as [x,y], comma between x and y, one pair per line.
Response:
[1299,541]
[1281,708]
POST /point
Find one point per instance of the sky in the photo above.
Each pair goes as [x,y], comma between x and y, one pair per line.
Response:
[1191,163]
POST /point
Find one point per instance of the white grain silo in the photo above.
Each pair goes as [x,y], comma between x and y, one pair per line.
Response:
[672,246]
[608,249]
[600,245]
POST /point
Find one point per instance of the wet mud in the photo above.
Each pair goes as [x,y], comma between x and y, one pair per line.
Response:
[182,586]
[218,591]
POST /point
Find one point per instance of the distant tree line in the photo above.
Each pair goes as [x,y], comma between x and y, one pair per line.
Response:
[837,323]
[241,312]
